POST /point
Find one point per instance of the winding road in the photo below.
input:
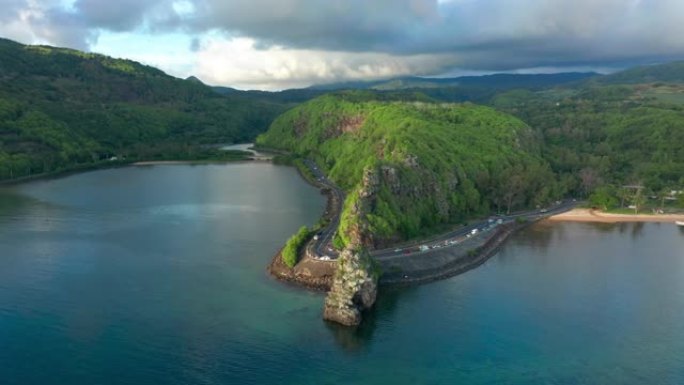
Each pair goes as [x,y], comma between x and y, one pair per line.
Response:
[321,246]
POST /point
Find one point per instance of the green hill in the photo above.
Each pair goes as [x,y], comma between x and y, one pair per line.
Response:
[612,134]
[669,72]
[412,167]
[495,81]
[61,109]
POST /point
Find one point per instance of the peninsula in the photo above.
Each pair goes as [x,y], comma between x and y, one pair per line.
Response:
[408,170]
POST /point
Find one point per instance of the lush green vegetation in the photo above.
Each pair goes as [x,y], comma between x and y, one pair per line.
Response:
[588,139]
[290,253]
[416,165]
[62,109]
[609,197]
[410,163]
[606,135]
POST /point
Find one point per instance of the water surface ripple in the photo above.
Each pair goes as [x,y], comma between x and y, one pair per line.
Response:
[155,275]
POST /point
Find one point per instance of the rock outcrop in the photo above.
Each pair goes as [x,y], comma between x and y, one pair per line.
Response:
[354,288]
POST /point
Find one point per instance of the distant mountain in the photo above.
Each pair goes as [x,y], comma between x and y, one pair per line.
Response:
[477,89]
[669,72]
[496,81]
[194,79]
[60,108]
[287,97]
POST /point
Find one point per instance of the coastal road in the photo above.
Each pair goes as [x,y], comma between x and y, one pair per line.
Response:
[454,238]
[322,247]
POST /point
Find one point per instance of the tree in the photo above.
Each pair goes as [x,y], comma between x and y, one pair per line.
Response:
[604,197]
[290,253]
[590,179]
[662,195]
[638,200]
[623,194]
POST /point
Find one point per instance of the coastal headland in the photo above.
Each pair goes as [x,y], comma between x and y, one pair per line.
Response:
[413,188]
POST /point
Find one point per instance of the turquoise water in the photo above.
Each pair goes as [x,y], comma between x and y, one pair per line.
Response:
[155,275]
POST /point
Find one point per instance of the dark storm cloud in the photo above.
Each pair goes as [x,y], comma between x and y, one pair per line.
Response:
[44,21]
[491,34]
[351,25]
[119,15]
[484,34]
[476,34]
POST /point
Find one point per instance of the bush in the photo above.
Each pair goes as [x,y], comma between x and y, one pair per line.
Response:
[294,245]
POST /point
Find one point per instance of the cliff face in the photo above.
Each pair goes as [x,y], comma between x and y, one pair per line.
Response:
[354,288]
[364,223]
[355,283]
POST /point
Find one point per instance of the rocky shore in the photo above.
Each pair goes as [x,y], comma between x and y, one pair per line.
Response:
[422,268]
[352,280]
[310,273]
[354,288]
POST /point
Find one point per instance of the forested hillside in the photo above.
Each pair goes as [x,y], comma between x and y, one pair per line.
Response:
[669,72]
[608,135]
[61,108]
[411,167]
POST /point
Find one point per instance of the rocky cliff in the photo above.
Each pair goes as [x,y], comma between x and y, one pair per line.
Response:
[354,288]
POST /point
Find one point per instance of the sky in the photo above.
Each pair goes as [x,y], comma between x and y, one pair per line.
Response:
[280,44]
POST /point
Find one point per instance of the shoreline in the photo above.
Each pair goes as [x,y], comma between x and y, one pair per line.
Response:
[64,173]
[190,162]
[459,265]
[108,165]
[597,216]
[316,275]
[307,273]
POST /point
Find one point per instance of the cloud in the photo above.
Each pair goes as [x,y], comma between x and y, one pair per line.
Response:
[338,39]
[195,44]
[33,21]
[341,25]
[486,33]
[119,15]
[240,63]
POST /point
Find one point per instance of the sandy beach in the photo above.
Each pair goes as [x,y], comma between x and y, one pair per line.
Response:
[589,215]
[159,162]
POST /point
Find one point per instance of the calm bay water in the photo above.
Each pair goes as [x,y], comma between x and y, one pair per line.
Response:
[155,275]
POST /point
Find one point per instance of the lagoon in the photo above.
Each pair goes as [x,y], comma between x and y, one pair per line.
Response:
[156,274]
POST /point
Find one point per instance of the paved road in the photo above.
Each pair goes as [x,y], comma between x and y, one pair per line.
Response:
[322,246]
[453,238]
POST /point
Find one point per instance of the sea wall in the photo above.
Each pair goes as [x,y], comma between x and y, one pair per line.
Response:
[446,262]
[403,269]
